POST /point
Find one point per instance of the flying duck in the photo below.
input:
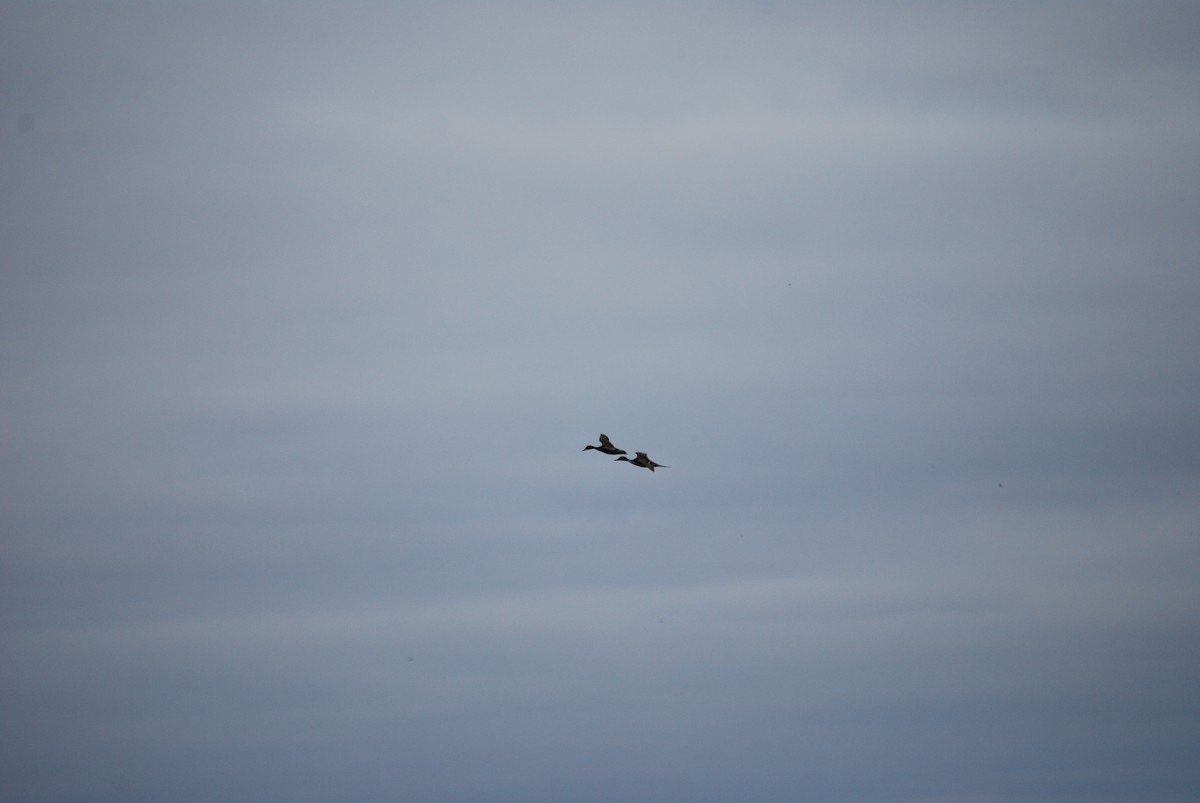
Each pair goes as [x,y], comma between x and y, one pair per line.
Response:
[606,446]
[642,461]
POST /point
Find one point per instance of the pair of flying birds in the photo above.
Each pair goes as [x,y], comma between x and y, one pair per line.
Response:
[640,458]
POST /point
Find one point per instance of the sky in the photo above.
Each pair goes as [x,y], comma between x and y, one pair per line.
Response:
[308,309]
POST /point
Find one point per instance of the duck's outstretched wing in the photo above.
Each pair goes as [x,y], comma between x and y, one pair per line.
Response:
[604,441]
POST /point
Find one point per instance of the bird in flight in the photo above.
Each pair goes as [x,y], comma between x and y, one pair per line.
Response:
[643,461]
[605,446]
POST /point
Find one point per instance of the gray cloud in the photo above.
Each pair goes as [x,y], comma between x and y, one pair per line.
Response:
[306,314]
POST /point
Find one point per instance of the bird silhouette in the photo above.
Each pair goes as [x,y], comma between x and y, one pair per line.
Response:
[605,446]
[643,461]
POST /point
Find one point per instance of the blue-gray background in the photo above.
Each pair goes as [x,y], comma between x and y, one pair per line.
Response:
[308,309]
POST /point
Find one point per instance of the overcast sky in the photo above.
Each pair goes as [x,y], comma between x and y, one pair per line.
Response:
[307,311]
